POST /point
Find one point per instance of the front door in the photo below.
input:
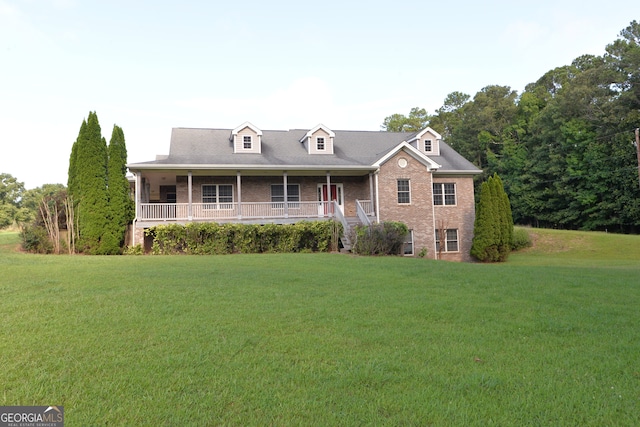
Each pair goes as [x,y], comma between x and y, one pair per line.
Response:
[337,192]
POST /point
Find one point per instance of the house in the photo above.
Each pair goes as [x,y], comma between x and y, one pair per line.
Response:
[260,176]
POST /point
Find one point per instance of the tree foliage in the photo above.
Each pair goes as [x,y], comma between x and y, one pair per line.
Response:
[98,188]
[120,203]
[493,228]
[11,209]
[417,120]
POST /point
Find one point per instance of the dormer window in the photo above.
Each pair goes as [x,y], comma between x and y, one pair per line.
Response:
[246,142]
[319,140]
[426,141]
[246,139]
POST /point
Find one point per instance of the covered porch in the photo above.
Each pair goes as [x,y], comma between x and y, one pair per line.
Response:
[250,196]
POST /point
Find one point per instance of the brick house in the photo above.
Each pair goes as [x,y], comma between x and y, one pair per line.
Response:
[356,177]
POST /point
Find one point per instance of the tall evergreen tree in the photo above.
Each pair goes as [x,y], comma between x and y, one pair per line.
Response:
[493,229]
[120,204]
[88,179]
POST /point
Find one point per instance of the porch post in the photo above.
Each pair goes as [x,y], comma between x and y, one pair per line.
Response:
[286,195]
[371,190]
[190,193]
[329,201]
[377,198]
[138,195]
[239,185]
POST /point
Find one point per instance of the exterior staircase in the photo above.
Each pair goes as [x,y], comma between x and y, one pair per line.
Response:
[351,222]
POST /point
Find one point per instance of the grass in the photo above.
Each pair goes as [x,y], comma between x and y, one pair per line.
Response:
[550,338]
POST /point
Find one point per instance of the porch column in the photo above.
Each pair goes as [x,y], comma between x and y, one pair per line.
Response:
[286,194]
[377,198]
[190,193]
[371,190]
[239,185]
[329,201]
[138,195]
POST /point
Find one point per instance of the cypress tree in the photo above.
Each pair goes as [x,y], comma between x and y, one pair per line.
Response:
[89,181]
[72,180]
[120,204]
[493,228]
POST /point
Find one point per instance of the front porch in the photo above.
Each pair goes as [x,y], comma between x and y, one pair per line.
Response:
[245,211]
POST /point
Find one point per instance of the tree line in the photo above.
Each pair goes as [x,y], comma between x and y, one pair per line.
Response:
[564,148]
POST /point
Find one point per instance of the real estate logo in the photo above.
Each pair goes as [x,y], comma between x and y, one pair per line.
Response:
[31,416]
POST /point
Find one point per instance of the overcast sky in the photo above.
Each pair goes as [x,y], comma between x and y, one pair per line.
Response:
[149,66]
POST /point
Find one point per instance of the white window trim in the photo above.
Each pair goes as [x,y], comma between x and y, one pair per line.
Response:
[288,194]
[413,245]
[324,143]
[245,142]
[398,191]
[430,150]
[455,194]
[217,203]
[446,241]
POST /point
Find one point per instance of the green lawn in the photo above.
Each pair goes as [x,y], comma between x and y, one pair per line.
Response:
[550,338]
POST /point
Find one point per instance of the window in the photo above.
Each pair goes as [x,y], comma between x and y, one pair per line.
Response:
[444,194]
[320,143]
[246,142]
[451,240]
[404,193]
[277,193]
[217,196]
[427,145]
[408,244]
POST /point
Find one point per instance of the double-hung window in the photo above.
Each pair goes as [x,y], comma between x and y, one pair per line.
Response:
[404,192]
[293,194]
[247,143]
[444,194]
[450,237]
[217,196]
[320,143]
[428,146]
[408,244]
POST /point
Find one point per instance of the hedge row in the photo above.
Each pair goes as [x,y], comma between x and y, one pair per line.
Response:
[228,238]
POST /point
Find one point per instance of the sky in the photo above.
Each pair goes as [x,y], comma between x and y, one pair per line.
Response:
[150,66]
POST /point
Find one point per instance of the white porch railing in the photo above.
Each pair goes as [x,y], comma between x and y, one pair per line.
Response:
[224,211]
[364,210]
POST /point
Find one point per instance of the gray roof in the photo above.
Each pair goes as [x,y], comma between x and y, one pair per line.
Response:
[204,148]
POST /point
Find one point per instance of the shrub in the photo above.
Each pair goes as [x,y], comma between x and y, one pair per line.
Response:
[35,239]
[217,239]
[385,238]
[134,250]
[521,239]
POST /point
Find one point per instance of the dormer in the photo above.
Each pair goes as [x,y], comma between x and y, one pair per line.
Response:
[319,140]
[246,138]
[427,142]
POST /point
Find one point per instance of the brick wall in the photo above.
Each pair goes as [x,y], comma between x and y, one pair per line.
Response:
[419,214]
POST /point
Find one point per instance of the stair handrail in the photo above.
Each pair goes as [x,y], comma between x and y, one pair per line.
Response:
[362,215]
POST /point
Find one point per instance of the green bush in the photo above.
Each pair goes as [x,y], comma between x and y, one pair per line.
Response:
[228,238]
[385,238]
[521,239]
[36,240]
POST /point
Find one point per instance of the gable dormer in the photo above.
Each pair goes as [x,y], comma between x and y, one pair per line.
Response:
[319,140]
[427,141]
[246,138]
